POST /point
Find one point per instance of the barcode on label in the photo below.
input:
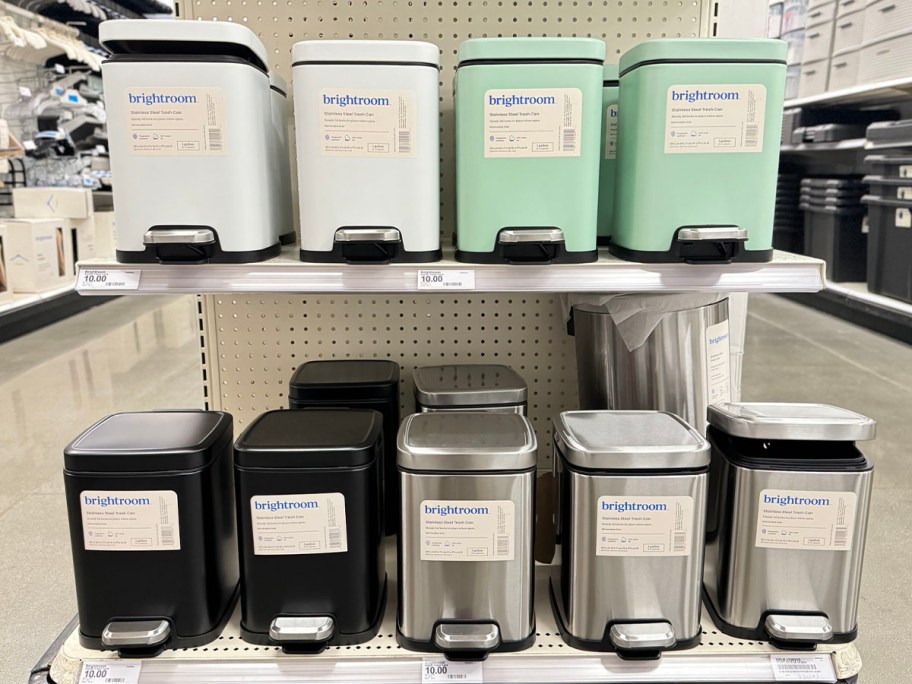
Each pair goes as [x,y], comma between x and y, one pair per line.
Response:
[503,546]
[679,539]
[568,141]
[750,135]
[841,536]
[215,139]
[405,142]
[335,537]
[167,535]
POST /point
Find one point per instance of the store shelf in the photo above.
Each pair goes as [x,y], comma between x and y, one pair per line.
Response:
[868,94]
[785,273]
[24,313]
[840,145]
[229,660]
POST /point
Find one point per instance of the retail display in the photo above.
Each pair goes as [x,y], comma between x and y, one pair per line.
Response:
[889,246]
[465,547]
[366,113]
[834,225]
[205,192]
[528,123]
[357,384]
[43,251]
[150,497]
[68,203]
[610,86]
[310,522]
[280,172]
[786,521]
[470,387]
[668,139]
[631,525]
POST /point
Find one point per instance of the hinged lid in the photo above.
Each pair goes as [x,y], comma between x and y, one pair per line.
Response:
[345,379]
[531,49]
[404,52]
[466,442]
[310,438]
[610,74]
[707,50]
[469,385]
[629,440]
[165,36]
[150,441]
[807,422]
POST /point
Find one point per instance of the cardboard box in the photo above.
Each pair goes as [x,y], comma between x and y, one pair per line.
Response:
[6,291]
[37,254]
[85,238]
[105,234]
[69,203]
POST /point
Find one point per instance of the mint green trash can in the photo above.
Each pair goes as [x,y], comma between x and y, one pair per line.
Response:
[698,150]
[528,129]
[608,164]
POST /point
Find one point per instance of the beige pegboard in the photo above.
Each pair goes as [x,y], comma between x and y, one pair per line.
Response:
[255,342]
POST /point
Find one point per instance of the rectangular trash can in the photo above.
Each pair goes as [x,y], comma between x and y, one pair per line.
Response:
[470,387]
[608,164]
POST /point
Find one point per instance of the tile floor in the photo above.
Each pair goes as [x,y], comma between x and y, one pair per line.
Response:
[143,352]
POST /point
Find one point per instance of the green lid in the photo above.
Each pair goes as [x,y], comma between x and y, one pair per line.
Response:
[610,73]
[506,49]
[703,49]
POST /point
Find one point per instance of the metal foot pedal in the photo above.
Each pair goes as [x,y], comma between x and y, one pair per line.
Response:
[136,638]
[302,634]
[372,245]
[801,632]
[642,640]
[467,640]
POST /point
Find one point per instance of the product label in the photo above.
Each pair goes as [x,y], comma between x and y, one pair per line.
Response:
[533,122]
[611,131]
[177,121]
[130,520]
[815,521]
[435,670]
[367,123]
[110,672]
[905,171]
[296,524]
[904,193]
[718,363]
[903,217]
[101,279]
[446,280]
[714,118]
[644,525]
[467,530]
[803,668]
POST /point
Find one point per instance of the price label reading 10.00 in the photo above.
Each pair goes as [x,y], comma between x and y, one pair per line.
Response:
[446,280]
[102,279]
[435,670]
[114,672]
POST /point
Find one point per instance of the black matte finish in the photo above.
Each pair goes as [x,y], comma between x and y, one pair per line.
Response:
[705,253]
[357,384]
[889,249]
[369,253]
[195,587]
[349,586]
[182,50]
[430,647]
[195,254]
[835,235]
[523,253]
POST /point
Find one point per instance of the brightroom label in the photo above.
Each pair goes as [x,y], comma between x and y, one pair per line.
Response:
[294,524]
[718,363]
[467,530]
[367,123]
[533,122]
[611,131]
[814,521]
[714,118]
[644,525]
[130,520]
[176,121]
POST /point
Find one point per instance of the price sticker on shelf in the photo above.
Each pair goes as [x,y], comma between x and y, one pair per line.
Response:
[114,672]
[446,280]
[103,279]
[803,668]
[434,670]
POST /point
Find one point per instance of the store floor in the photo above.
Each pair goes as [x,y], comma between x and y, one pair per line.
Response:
[142,353]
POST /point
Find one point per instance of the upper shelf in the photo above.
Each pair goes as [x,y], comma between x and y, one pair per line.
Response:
[869,93]
[785,273]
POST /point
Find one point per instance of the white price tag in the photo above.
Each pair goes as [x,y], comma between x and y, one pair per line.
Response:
[446,280]
[443,670]
[102,279]
[803,668]
[114,672]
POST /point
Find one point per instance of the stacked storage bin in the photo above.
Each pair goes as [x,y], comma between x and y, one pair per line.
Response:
[834,225]
[794,19]
[848,33]
[815,53]
[886,49]
[788,229]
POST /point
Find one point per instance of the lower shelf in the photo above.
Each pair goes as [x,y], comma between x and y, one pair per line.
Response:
[230,660]
[24,313]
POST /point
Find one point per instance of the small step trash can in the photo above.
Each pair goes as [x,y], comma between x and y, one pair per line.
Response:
[470,387]
[608,164]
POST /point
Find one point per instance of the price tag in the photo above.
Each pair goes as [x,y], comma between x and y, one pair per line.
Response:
[114,672]
[446,280]
[443,670]
[102,279]
[803,668]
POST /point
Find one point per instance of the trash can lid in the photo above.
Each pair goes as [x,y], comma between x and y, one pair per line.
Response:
[467,442]
[610,74]
[629,440]
[532,49]
[469,385]
[403,52]
[278,83]
[695,50]
[353,378]
[809,422]
[166,36]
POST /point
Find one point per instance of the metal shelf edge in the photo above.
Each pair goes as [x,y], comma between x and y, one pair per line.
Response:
[884,91]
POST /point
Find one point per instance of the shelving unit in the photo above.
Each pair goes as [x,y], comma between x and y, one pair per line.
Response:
[27,312]
[868,94]
[813,148]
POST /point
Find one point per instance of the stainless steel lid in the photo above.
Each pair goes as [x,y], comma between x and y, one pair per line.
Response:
[469,385]
[466,441]
[629,440]
[808,422]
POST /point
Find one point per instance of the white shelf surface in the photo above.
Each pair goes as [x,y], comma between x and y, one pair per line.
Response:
[23,301]
[785,273]
[230,660]
[869,93]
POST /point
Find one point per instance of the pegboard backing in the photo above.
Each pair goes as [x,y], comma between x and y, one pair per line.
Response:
[255,342]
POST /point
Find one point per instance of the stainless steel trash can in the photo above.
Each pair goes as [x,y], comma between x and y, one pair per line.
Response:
[470,387]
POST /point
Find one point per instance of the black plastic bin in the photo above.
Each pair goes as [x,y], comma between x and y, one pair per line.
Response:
[835,235]
[150,498]
[309,503]
[890,240]
[890,188]
[362,384]
[888,166]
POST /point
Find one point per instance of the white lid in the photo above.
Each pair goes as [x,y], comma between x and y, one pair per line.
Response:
[110,33]
[379,51]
